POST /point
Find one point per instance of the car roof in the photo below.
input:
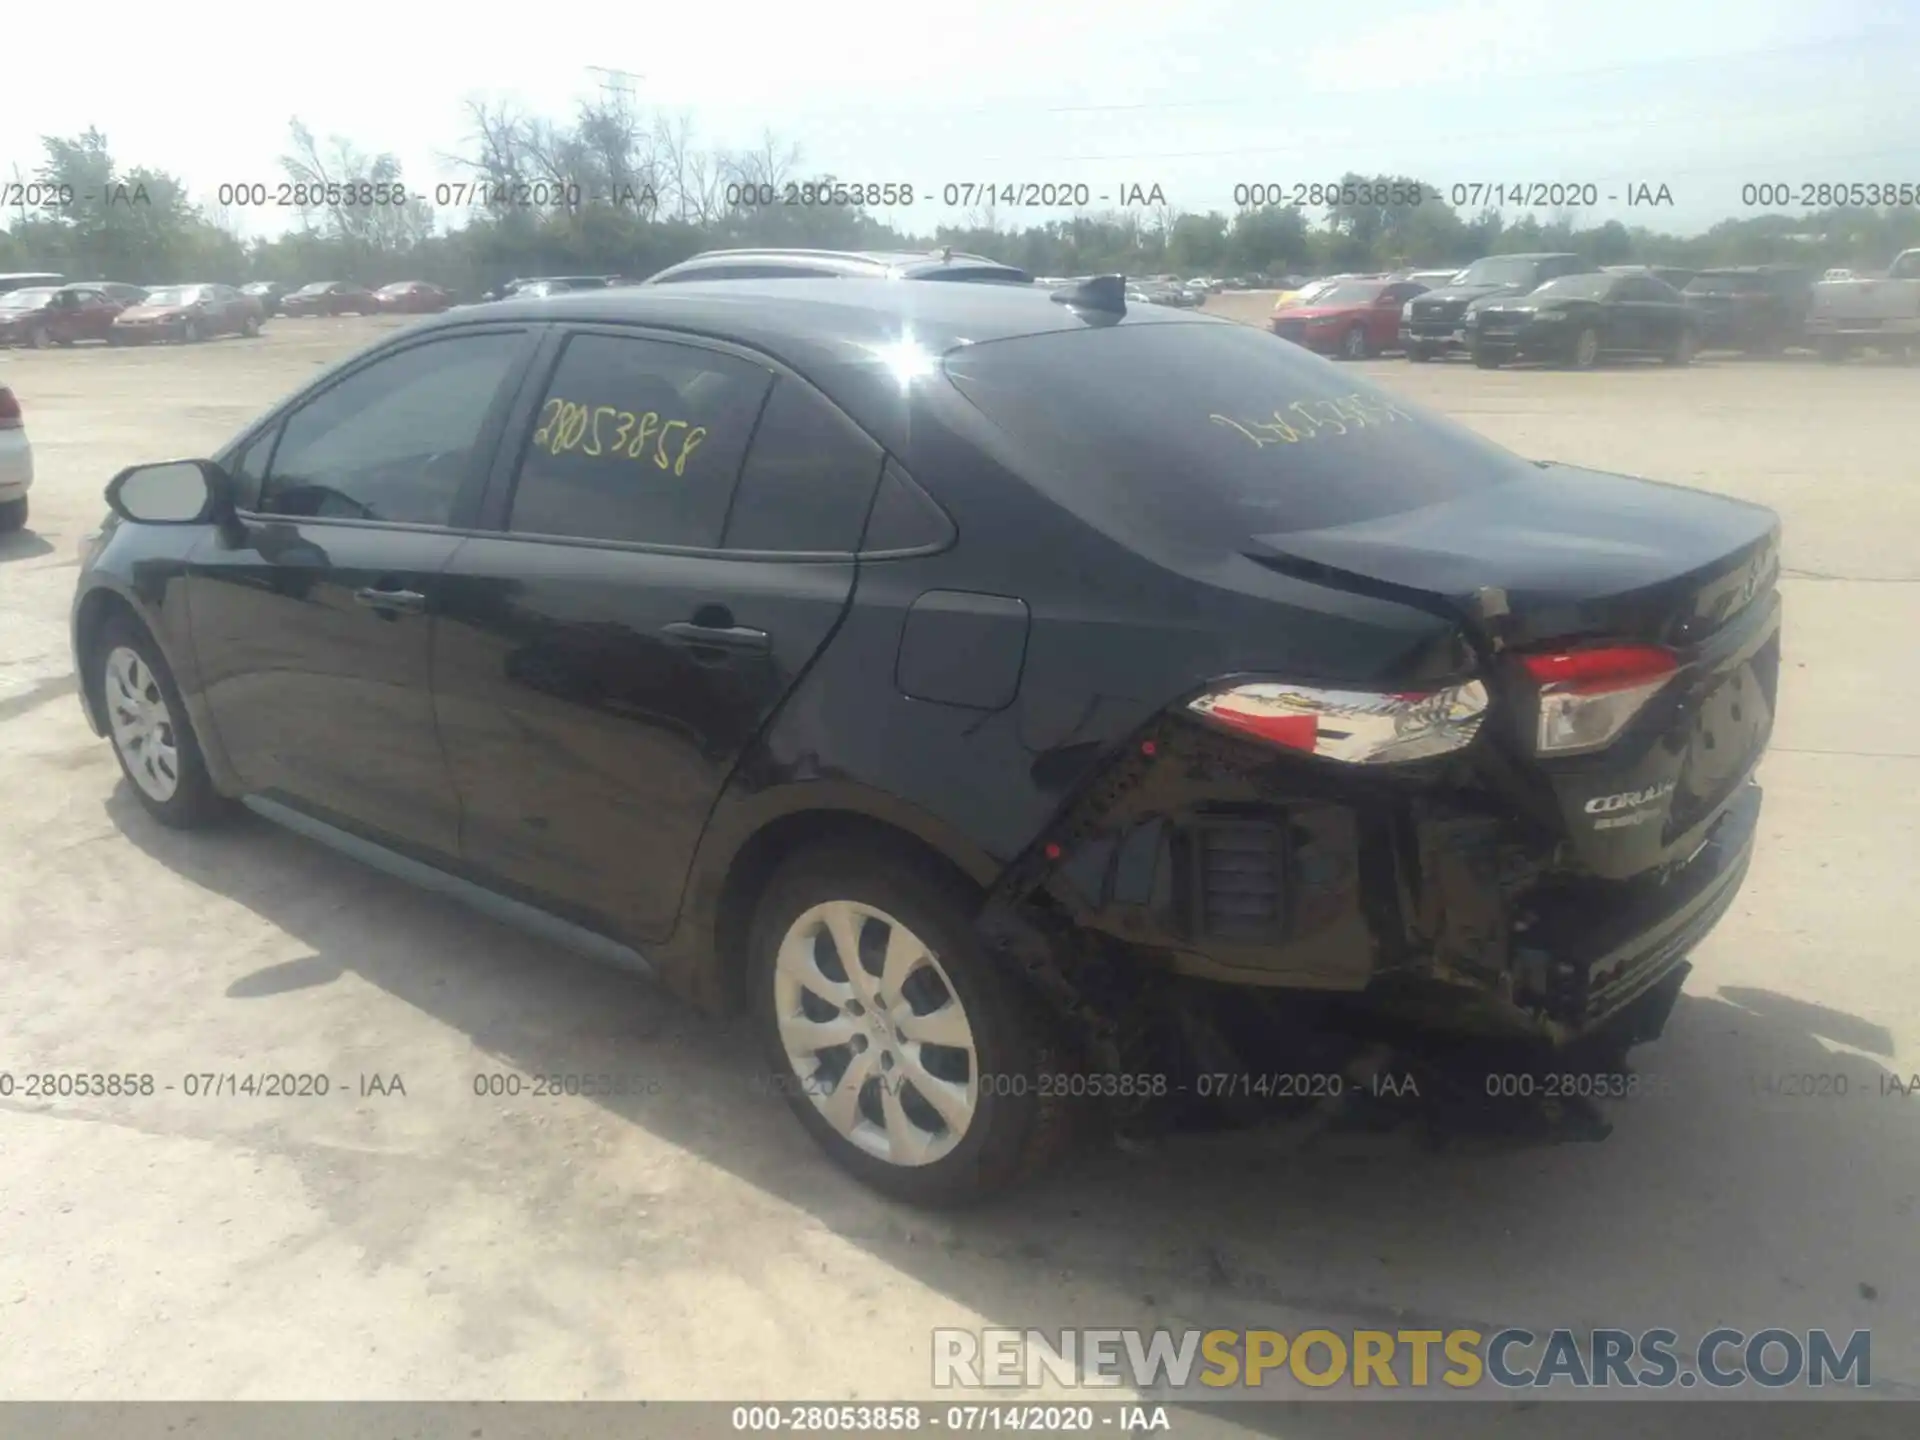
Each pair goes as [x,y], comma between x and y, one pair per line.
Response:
[848,263]
[828,333]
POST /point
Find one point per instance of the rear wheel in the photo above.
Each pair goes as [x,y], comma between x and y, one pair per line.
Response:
[906,1051]
[190,333]
[152,737]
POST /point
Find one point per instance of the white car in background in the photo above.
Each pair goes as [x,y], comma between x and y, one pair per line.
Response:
[16,463]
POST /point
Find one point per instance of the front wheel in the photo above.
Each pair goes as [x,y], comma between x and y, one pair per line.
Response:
[190,333]
[1683,349]
[1585,350]
[1833,351]
[1483,357]
[1354,346]
[153,738]
[1418,353]
[37,338]
[910,1055]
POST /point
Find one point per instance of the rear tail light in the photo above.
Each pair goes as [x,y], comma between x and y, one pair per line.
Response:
[1360,727]
[1587,697]
[10,418]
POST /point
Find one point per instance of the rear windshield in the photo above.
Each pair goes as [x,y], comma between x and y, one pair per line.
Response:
[1358,292]
[1500,270]
[1209,434]
[1578,287]
[1725,284]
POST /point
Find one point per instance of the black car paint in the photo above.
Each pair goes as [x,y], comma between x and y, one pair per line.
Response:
[637,784]
[1438,314]
[1622,323]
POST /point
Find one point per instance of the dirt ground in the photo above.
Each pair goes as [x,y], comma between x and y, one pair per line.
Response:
[690,1242]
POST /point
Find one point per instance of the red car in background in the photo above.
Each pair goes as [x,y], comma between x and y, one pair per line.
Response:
[56,315]
[412,297]
[1353,320]
[330,297]
[187,313]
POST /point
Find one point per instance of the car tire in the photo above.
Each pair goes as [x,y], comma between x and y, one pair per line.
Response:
[250,327]
[1832,351]
[13,515]
[190,333]
[1001,1115]
[1683,349]
[1483,357]
[1418,353]
[151,733]
[1354,345]
[37,338]
[1584,353]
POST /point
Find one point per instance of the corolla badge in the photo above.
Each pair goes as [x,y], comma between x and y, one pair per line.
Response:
[1634,801]
[1629,799]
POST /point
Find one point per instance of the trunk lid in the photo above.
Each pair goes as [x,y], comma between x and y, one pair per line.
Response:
[1564,557]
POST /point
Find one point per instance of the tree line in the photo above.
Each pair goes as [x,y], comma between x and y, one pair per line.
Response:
[618,190]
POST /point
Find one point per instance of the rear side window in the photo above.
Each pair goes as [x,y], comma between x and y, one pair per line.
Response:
[1204,435]
[808,479]
[637,440]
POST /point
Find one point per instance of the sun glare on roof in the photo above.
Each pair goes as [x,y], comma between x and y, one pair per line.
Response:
[906,359]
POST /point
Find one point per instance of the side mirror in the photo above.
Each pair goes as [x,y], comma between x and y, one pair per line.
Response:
[172,492]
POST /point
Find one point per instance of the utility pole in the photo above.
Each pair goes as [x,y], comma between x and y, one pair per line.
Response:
[616,82]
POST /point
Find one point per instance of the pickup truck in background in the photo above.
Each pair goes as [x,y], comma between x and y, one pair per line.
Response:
[1868,312]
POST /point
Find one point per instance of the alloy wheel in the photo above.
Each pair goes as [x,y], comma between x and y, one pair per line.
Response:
[1586,349]
[1355,344]
[876,1033]
[142,725]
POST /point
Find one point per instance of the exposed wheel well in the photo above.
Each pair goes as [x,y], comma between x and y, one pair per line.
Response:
[96,610]
[751,869]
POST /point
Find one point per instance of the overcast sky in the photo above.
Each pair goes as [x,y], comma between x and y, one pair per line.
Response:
[1196,98]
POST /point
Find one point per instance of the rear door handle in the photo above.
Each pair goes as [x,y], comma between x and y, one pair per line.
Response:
[724,637]
[409,600]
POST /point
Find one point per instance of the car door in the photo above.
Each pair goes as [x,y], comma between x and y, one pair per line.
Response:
[1383,321]
[96,318]
[63,316]
[313,616]
[675,526]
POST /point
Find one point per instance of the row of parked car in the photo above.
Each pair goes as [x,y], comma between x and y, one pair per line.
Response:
[40,309]
[1562,308]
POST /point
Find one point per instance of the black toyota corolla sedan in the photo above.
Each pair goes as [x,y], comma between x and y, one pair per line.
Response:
[1579,319]
[1004,697]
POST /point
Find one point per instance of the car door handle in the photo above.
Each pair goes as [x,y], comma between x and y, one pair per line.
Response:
[409,600]
[724,637]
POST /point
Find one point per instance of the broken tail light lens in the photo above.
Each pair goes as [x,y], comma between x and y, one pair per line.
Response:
[1587,697]
[1359,727]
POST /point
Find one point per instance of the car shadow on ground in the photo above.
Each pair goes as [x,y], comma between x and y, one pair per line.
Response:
[1724,1196]
[23,545]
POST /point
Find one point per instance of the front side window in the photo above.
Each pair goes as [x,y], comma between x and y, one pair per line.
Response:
[396,439]
[637,440]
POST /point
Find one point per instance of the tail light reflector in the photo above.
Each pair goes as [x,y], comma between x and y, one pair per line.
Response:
[1359,727]
[1587,697]
[10,411]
